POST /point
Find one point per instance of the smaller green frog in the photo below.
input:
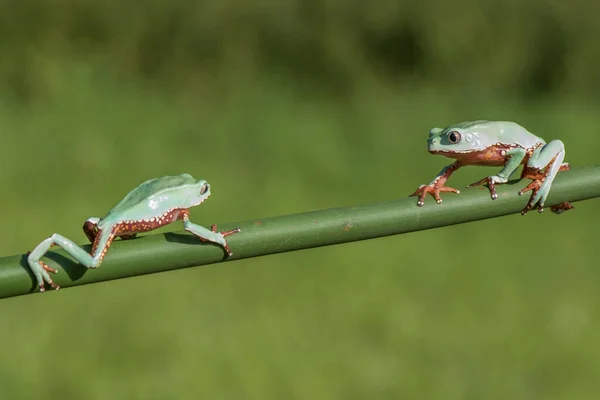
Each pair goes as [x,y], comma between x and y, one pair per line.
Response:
[497,143]
[154,203]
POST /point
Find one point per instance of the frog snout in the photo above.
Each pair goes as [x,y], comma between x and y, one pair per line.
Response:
[433,142]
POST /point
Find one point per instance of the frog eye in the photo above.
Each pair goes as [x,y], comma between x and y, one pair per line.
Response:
[203,189]
[454,137]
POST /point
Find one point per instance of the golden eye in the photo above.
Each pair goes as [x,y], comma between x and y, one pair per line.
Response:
[454,137]
[203,189]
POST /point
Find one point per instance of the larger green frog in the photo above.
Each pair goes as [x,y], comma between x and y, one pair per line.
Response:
[153,204]
[497,143]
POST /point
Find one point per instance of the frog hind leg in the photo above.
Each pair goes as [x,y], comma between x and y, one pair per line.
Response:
[549,159]
[90,228]
[102,242]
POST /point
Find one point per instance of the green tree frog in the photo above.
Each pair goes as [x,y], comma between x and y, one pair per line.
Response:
[154,203]
[497,143]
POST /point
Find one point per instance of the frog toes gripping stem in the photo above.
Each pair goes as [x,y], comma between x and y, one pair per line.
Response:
[491,182]
[535,186]
[435,190]
[41,273]
[540,187]
[437,185]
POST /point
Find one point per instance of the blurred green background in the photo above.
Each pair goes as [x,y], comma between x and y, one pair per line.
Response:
[288,106]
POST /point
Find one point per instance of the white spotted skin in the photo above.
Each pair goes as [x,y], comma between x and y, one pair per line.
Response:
[148,224]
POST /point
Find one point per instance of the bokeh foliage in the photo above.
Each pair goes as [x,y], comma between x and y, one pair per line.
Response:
[290,106]
[524,48]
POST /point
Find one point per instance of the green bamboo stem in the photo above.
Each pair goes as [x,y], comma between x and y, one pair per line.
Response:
[164,252]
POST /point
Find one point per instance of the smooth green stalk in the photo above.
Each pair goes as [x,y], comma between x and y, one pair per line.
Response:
[174,250]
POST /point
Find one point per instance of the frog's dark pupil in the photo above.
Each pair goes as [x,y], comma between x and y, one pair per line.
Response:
[453,137]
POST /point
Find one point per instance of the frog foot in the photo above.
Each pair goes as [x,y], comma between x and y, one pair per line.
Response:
[536,184]
[491,182]
[535,187]
[42,275]
[562,207]
[435,190]
[213,228]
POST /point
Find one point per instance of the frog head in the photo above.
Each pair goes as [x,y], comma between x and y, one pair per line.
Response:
[182,191]
[465,137]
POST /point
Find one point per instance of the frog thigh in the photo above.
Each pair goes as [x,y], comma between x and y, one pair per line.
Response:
[551,155]
[543,155]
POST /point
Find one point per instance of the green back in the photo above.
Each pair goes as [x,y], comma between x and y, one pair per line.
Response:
[150,188]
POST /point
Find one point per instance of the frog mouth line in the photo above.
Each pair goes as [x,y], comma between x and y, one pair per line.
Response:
[495,146]
[450,151]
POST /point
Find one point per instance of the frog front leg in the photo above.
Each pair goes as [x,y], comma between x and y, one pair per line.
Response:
[514,159]
[206,235]
[437,185]
[40,269]
[549,157]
